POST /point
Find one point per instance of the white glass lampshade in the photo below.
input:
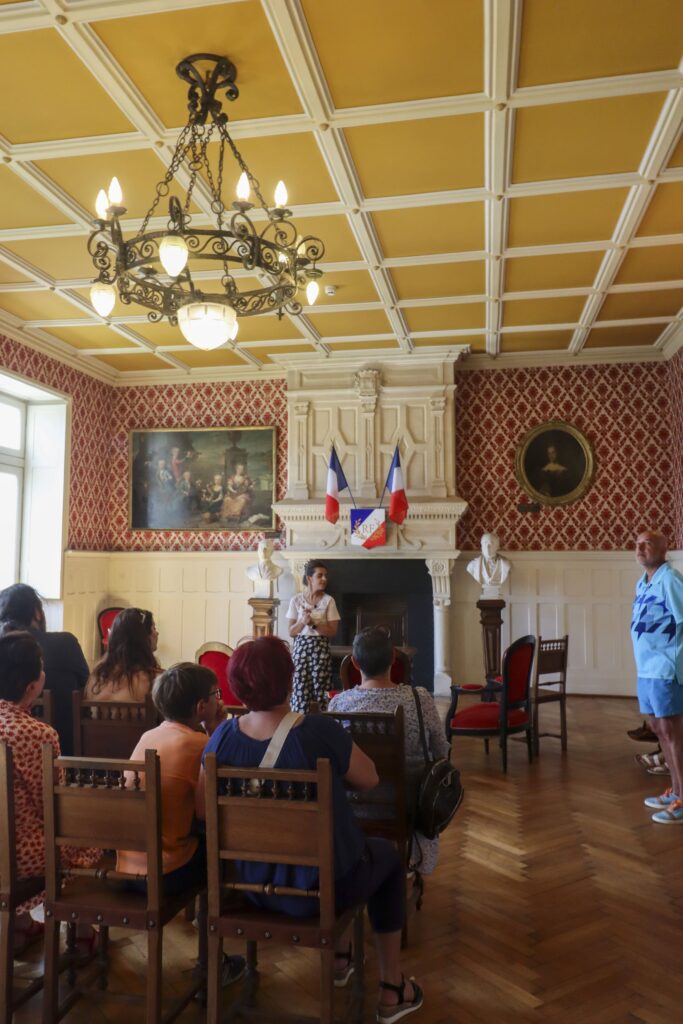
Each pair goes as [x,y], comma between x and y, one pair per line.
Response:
[280,194]
[243,188]
[173,254]
[102,204]
[207,325]
[312,292]
[103,297]
[233,332]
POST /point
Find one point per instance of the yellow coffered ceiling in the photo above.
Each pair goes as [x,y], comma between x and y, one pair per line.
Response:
[502,174]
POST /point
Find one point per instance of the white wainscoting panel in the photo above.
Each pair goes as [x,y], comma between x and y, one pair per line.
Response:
[587,594]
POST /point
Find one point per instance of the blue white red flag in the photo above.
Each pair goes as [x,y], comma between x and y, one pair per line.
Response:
[336,482]
[398,502]
[368,527]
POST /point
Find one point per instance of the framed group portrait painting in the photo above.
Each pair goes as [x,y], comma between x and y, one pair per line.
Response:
[195,479]
[555,463]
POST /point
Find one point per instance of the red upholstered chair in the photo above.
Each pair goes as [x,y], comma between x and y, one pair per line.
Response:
[216,656]
[400,670]
[105,619]
[504,717]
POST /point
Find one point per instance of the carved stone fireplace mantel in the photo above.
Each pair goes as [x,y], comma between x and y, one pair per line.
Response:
[365,408]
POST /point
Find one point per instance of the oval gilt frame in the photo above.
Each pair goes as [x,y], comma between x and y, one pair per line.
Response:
[528,447]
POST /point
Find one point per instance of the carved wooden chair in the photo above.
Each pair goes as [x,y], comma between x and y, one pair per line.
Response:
[13,892]
[551,660]
[105,728]
[42,708]
[288,821]
[216,656]
[510,713]
[105,620]
[101,802]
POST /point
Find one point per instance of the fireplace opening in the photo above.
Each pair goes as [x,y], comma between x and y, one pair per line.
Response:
[396,593]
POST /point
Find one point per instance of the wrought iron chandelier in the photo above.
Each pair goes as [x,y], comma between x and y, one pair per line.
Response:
[154,269]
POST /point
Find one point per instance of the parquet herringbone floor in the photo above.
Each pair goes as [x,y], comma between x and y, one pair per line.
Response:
[555,900]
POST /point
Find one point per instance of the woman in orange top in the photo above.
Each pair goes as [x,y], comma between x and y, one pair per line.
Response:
[128,669]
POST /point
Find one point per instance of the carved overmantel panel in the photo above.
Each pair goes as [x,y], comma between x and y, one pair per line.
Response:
[365,409]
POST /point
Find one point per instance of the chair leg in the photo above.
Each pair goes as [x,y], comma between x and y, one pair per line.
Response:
[215,961]
[51,968]
[252,975]
[359,965]
[530,744]
[537,745]
[504,751]
[563,722]
[486,746]
[326,986]
[154,975]
[6,965]
[103,958]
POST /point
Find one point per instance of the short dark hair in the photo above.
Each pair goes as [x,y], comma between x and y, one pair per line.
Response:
[21,662]
[311,566]
[260,673]
[178,690]
[19,603]
[373,650]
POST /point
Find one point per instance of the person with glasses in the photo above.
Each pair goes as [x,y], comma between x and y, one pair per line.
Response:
[187,696]
[128,668]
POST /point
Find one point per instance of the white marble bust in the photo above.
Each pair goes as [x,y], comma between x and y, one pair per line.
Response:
[490,569]
[265,571]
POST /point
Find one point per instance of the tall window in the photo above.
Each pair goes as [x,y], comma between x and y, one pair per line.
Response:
[33,430]
[12,462]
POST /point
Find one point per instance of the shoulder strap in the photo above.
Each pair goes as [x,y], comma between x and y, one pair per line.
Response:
[421,724]
[278,738]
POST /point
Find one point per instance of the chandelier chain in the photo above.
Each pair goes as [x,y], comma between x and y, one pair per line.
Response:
[169,176]
[254,182]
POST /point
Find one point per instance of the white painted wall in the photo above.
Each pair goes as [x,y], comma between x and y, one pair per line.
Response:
[198,597]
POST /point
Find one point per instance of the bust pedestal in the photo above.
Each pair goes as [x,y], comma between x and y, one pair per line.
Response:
[490,612]
[264,615]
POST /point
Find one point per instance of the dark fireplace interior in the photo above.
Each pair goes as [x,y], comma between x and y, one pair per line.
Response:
[396,593]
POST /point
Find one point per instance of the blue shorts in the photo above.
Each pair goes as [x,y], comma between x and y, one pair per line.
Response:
[662,698]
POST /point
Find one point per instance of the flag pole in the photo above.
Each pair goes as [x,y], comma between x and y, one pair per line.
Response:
[347,482]
[386,482]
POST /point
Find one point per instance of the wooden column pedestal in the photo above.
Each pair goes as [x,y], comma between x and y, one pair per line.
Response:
[491,619]
[264,615]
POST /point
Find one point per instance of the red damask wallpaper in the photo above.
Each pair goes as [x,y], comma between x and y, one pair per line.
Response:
[247,403]
[675,369]
[624,410]
[90,432]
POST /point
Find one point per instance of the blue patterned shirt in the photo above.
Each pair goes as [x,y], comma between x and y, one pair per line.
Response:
[657,625]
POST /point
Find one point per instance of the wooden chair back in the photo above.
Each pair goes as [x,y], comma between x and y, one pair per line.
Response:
[104,728]
[384,811]
[216,656]
[105,620]
[43,708]
[13,892]
[551,660]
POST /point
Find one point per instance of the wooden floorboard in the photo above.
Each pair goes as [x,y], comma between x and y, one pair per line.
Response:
[556,899]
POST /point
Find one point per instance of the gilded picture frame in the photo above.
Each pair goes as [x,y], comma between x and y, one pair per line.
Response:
[198,479]
[555,463]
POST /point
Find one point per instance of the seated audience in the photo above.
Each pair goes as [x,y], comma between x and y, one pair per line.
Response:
[65,666]
[128,669]
[372,656]
[21,682]
[366,870]
[188,698]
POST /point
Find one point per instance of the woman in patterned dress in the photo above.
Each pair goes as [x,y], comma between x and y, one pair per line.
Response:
[312,617]
[129,668]
[21,683]
[372,655]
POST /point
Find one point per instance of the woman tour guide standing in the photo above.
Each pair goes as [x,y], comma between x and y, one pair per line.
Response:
[312,616]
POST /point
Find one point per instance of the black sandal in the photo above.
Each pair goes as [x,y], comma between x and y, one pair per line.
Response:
[389,1014]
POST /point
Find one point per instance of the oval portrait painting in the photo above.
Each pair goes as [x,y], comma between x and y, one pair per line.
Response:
[554,463]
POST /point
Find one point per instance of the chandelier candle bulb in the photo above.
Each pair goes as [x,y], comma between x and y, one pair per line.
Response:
[243,189]
[281,195]
[103,297]
[102,205]
[312,292]
[173,253]
[115,193]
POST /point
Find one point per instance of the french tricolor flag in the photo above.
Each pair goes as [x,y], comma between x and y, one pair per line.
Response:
[336,482]
[398,503]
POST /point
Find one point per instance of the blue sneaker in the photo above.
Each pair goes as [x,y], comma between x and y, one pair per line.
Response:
[667,798]
[671,815]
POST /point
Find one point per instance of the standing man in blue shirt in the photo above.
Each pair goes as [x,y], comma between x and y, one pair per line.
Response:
[657,634]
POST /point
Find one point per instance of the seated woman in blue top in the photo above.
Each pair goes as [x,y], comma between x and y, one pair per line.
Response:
[366,870]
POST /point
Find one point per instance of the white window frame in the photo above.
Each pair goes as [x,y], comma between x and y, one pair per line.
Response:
[13,462]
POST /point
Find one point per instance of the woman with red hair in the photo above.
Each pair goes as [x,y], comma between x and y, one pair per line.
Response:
[367,870]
